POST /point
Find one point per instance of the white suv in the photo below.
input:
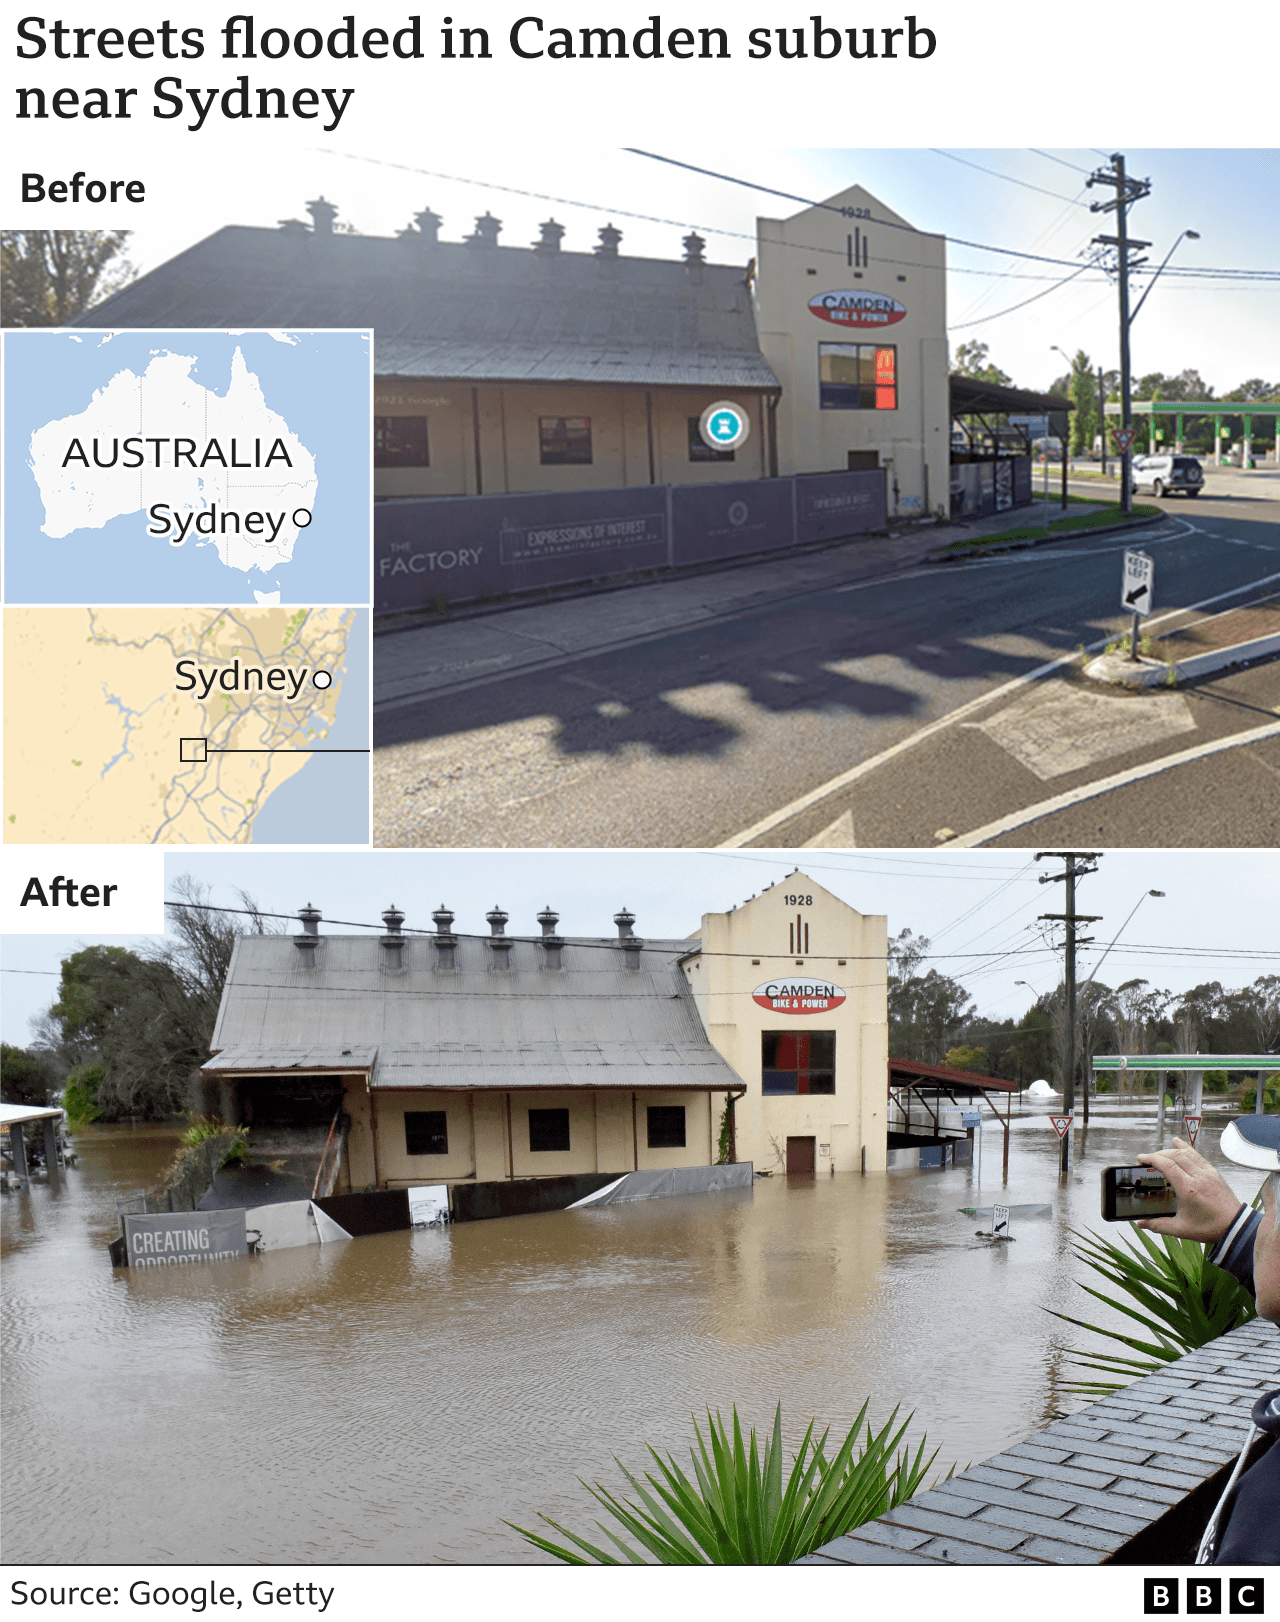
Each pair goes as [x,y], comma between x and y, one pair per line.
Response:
[1163,475]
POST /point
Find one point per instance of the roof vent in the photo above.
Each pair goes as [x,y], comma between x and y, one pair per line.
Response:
[627,938]
[323,214]
[310,937]
[428,227]
[693,246]
[498,942]
[551,942]
[444,940]
[294,228]
[549,241]
[393,940]
[485,234]
[610,237]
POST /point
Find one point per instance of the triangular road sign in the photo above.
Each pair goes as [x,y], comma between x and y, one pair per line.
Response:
[1193,1127]
[1124,438]
[1061,1124]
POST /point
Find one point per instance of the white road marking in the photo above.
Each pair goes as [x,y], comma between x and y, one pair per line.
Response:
[838,836]
[1055,730]
[1105,785]
[816,795]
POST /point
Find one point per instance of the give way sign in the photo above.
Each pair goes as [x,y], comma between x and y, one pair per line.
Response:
[1062,1124]
[1193,1127]
[1124,438]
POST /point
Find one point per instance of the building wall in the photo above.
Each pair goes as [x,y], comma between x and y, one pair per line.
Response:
[510,446]
[751,946]
[819,251]
[600,1134]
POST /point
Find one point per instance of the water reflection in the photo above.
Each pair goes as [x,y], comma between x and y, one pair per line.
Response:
[395,1398]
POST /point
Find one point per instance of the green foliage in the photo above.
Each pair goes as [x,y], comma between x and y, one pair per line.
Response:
[80,1096]
[25,1077]
[212,1126]
[1186,1303]
[964,1057]
[971,361]
[47,277]
[738,1511]
[724,1144]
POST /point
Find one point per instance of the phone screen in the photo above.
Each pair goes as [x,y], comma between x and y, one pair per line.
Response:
[1132,1193]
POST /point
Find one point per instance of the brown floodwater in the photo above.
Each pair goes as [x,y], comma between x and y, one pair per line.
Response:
[396,1398]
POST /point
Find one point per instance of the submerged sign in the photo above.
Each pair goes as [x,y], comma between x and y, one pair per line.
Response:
[856,308]
[180,1238]
[799,996]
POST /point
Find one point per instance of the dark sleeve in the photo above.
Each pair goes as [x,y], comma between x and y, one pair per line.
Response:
[1234,1251]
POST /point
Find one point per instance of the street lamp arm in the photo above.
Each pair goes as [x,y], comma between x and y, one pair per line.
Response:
[1117,936]
[1195,235]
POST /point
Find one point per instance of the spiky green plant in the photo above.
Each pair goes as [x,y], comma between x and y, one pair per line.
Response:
[1187,1300]
[738,1511]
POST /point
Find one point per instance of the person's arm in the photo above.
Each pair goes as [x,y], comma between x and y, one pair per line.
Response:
[1234,1251]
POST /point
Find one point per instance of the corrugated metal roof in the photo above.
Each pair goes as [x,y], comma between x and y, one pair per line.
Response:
[591,1022]
[451,311]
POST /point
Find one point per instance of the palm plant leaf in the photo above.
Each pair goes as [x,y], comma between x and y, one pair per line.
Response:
[738,1509]
[1181,1298]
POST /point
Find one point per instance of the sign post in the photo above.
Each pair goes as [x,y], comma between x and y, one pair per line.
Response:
[1000,1222]
[1137,590]
[1062,1126]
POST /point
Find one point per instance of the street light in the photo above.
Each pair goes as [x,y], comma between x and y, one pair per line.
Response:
[1098,965]
[1192,236]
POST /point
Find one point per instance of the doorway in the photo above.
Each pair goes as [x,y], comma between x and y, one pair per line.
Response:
[801,1157]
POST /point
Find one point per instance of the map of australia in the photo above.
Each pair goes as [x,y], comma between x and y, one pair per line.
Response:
[206,469]
[187,466]
[179,726]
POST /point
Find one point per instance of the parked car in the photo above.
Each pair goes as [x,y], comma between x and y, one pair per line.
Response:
[1166,475]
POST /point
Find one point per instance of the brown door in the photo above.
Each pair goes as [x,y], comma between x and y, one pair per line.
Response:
[800,1157]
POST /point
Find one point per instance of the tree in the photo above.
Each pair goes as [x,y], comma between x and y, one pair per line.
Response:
[147,1017]
[1255,389]
[47,278]
[26,1077]
[967,1058]
[971,361]
[1084,396]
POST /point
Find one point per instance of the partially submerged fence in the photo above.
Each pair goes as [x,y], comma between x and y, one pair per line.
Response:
[458,549]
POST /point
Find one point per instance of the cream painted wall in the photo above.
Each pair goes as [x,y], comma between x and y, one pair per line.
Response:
[810,254]
[402,1170]
[752,945]
[510,448]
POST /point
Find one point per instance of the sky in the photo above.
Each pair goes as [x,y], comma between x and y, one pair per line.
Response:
[1034,202]
[1216,920]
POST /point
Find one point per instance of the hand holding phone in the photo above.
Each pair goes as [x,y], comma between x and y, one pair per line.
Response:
[1206,1205]
[1134,1193]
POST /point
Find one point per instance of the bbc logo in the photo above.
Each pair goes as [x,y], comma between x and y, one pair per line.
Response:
[1204,1596]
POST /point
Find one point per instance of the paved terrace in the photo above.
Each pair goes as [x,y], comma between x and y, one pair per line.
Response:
[1111,1482]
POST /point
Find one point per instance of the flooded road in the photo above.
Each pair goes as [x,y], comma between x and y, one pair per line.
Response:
[398,1397]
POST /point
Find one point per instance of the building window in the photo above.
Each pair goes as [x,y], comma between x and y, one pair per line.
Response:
[566,441]
[400,442]
[700,451]
[858,377]
[548,1130]
[426,1132]
[666,1126]
[798,1061]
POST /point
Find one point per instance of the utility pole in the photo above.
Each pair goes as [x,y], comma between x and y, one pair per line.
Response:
[1127,192]
[1073,869]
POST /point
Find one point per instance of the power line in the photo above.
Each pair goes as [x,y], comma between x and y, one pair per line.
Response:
[979,320]
[1062,161]
[1012,179]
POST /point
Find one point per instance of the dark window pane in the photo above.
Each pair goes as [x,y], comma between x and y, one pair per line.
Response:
[858,377]
[426,1132]
[666,1126]
[798,1061]
[565,441]
[548,1130]
[700,451]
[400,442]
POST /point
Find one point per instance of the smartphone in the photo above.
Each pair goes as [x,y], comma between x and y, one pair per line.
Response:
[1130,1193]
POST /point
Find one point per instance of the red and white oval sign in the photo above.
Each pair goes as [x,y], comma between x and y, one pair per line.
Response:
[799,996]
[856,308]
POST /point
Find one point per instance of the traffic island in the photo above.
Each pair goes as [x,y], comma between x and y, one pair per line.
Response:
[1093,520]
[1217,642]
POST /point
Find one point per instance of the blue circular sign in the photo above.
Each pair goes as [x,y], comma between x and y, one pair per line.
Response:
[724,426]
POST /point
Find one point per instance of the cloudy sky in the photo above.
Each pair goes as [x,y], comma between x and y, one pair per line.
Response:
[1034,202]
[979,908]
